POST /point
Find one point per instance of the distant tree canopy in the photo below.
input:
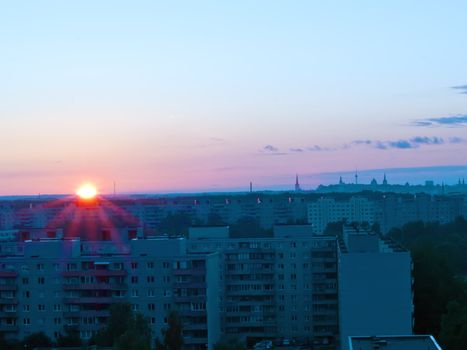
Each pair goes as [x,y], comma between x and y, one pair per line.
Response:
[214,219]
[70,338]
[172,335]
[176,223]
[37,340]
[125,330]
[230,344]
[448,240]
[440,266]
[249,226]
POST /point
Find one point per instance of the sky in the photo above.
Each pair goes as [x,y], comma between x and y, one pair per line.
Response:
[173,96]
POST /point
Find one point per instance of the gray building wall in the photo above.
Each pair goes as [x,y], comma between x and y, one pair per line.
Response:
[375,291]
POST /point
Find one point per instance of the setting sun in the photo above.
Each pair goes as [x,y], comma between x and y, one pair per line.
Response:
[87,191]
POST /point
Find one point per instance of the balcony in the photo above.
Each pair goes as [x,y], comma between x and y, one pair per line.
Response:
[95,286]
[8,273]
[8,301]
[193,298]
[179,272]
[92,300]
[189,285]
[192,313]
[90,327]
[8,328]
[192,340]
[8,287]
[195,326]
[98,273]
[87,313]
[8,314]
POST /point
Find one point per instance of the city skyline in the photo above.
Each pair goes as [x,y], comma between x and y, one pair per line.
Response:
[210,96]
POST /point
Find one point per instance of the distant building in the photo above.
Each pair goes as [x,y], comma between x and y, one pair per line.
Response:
[327,210]
[375,286]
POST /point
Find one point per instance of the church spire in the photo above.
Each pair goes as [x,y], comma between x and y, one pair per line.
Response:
[297,185]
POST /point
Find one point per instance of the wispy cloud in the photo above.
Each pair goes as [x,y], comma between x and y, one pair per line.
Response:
[461,88]
[270,148]
[414,142]
[401,144]
[459,120]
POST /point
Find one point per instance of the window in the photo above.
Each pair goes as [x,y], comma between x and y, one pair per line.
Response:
[151,293]
[150,265]
[26,308]
[135,307]
[132,234]
[26,321]
[106,235]
[57,320]
[151,307]
[40,267]
[134,293]
[153,320]
[134,265]
[57,307]
[41,307]
[41,280]
[151,279]
[134,279]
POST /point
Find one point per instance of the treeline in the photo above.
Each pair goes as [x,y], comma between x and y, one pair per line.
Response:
[439,254]
[124,330]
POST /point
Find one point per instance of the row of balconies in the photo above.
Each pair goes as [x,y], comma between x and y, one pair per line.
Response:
[95,273]
[96,286]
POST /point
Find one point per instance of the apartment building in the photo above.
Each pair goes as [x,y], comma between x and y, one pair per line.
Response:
[47,284]
[375,286]
[280,286]
[327,210]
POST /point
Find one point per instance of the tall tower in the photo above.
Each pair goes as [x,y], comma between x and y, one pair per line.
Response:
[297,185]
[385,181]
[356,177]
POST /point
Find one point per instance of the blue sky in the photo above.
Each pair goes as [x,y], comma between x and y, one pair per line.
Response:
[210,95]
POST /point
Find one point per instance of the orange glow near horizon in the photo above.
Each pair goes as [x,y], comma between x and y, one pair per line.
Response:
[87,191]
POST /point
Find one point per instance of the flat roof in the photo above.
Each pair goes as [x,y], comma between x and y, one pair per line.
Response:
[394,342]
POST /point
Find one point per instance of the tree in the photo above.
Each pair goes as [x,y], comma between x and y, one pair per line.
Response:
[70,339]
[248,226]
[230,344]
[214,219]
[122,327]
[138,335]
[118,321]
[176,223]
[172,335]
[453,335]
[37,340]
[434,286]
